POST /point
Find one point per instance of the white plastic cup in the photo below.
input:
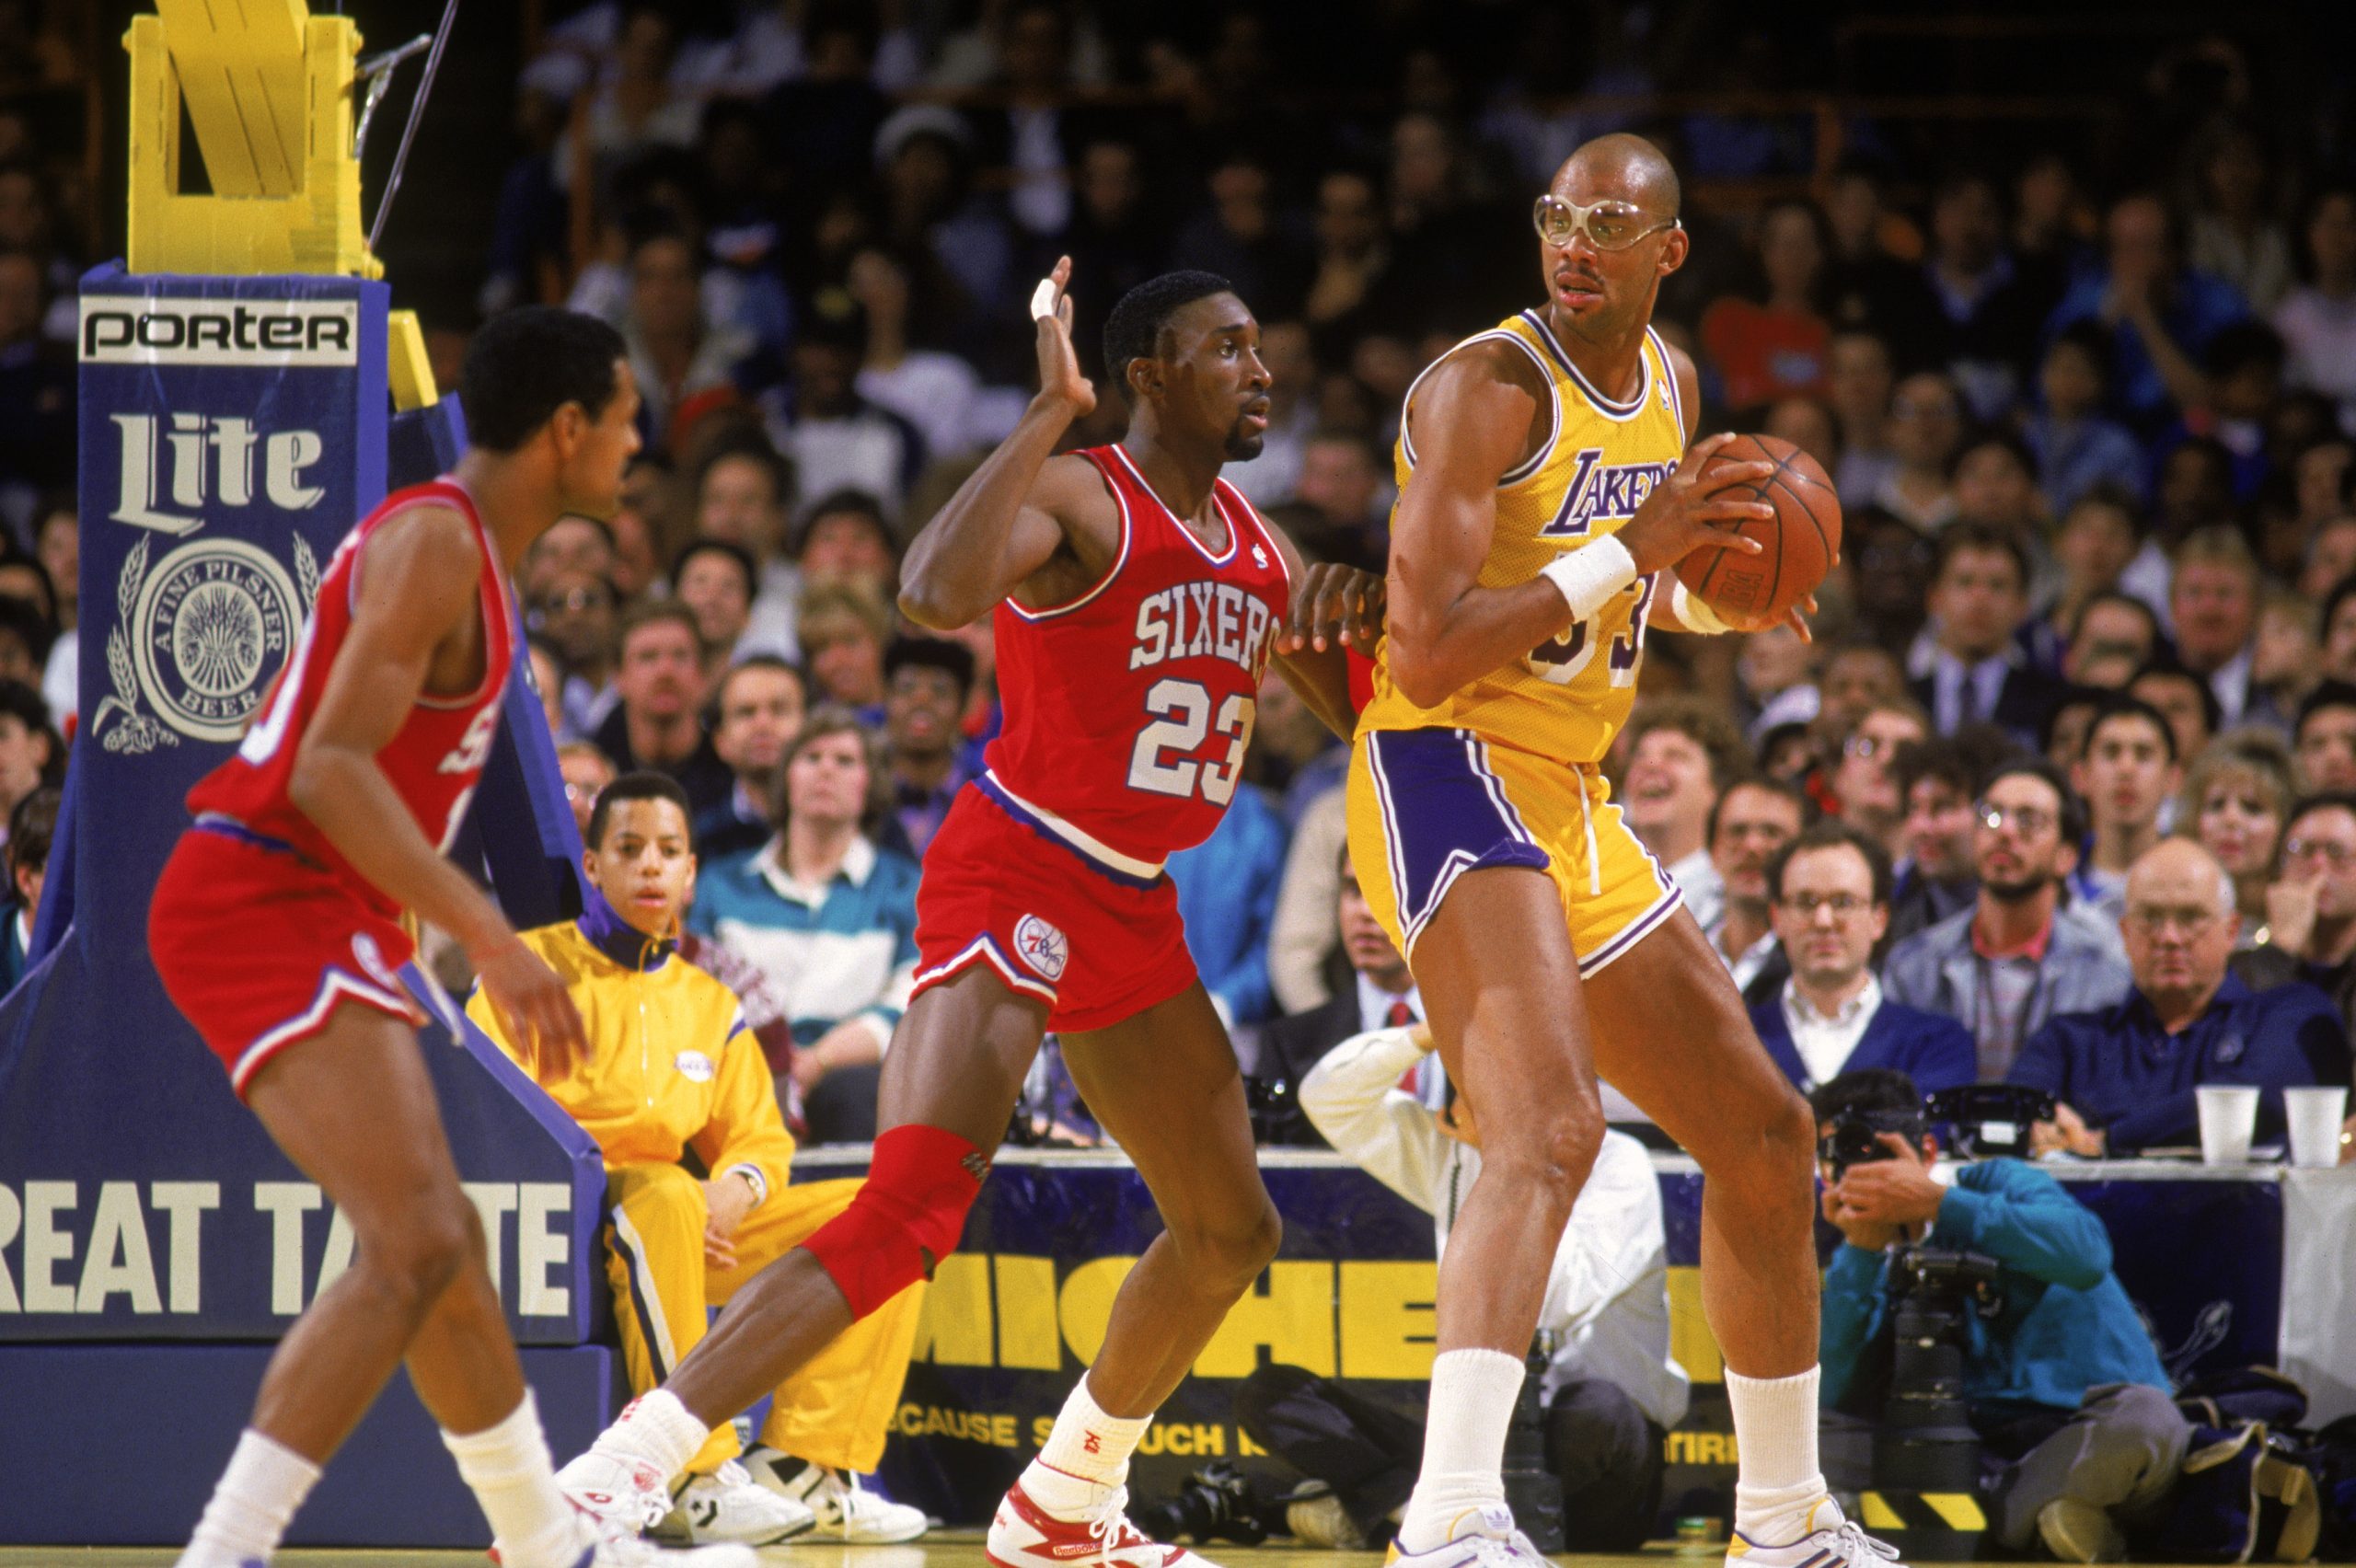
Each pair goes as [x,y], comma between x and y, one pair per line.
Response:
[2228,1117]
[2315,1116]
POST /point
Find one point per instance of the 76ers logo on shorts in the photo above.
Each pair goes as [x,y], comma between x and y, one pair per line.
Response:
[1041,946]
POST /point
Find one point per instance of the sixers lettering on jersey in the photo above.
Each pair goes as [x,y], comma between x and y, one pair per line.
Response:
[1128,708]
[433,762]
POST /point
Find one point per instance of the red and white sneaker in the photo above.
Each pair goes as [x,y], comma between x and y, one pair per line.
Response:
[1024,1534]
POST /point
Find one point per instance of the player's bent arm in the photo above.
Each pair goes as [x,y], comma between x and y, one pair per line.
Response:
[1004,524]
[1351,1096]
[1472,422]
[419,579]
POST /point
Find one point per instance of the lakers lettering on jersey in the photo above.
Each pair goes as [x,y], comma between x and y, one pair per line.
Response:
[1598,462]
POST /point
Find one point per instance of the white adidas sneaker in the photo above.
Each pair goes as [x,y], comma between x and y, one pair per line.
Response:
[844,1510]
[729,1505]
[1484,1537]
[1837,1542]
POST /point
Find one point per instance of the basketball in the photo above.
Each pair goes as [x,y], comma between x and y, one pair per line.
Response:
[1751,592]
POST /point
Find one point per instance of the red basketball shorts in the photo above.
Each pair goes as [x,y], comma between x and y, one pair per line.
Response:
[1096,946]
[256,946]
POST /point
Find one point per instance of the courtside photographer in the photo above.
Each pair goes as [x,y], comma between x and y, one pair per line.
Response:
[1984,1285]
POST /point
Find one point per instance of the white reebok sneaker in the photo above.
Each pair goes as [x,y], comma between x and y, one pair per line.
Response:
[618,1500]
[845,1510]
[1024,1534]
[729,1505]
[1484,1537]
[1837,1543]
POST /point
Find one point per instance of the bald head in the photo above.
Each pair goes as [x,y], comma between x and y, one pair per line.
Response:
[1620,167]
[2180,871]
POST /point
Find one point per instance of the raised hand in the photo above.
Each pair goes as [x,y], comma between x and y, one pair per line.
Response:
[1686,512]
[1059,377]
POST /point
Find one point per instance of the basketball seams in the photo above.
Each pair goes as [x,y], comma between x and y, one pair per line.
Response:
[1792,481]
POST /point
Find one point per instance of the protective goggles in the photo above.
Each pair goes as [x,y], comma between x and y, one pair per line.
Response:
[1609,226]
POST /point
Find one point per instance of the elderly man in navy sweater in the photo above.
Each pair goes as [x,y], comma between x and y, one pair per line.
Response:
[2062,1383]
[1828,898]
[2124,1076]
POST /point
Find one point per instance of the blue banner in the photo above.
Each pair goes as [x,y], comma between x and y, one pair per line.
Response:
[1014,1317]
[231,431]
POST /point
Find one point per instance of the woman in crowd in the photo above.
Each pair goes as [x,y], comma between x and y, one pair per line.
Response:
[2237,796]
[830,918]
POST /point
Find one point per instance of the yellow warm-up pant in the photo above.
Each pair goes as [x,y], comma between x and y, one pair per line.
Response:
[835,1408]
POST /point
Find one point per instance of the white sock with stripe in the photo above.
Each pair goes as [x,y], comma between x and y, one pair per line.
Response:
[1778,1479]
[1464,1444]
[654,1429]
[1085,1457]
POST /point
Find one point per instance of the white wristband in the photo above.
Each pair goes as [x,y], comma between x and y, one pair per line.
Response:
[1694,613]
[1589,575]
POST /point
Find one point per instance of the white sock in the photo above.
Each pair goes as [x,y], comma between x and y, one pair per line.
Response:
[1778,1480]
[253,1502]
[654,1429]
[508,1469]
[1464,1443]
[1086,1456]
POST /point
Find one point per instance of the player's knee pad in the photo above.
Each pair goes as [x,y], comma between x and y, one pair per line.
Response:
[908,1216]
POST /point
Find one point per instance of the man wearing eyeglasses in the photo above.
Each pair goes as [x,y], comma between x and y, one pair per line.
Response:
[2124,1075]
[1829,896]
[2311,913]
[1546,486]
[2018,956]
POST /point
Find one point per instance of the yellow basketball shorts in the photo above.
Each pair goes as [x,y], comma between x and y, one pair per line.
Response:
[1426,806]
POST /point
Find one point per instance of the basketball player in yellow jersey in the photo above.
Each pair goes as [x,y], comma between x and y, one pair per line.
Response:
[1545,489]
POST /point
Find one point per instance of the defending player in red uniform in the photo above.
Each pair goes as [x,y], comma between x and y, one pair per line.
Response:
[1139,599]
[274,928]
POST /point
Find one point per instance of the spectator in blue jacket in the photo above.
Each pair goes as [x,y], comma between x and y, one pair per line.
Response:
[1828,898]
[2062,1383]
[2124,1076]
[1226,896]
[830,920]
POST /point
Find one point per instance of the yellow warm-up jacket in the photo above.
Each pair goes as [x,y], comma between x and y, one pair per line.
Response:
[670,1063]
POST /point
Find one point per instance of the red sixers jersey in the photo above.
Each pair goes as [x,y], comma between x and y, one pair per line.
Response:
[433,762]
[1128,708]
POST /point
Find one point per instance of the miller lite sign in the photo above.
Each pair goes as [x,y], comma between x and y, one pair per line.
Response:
[222,457]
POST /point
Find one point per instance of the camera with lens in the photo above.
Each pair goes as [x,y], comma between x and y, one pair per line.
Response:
[1924,1447]
[1216,1502]
[1853,1138]
[1276,1112]
[1925,1442]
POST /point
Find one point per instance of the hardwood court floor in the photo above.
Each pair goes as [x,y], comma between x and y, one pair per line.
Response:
[950,1549]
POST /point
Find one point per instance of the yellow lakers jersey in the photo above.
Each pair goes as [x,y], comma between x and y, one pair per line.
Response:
[1567,699]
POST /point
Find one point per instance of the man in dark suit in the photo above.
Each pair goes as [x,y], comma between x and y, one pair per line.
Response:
[1978,674]
[1381,995]
[1829,892]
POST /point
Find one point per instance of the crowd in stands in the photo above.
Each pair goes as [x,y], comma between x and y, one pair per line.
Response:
[2061,791]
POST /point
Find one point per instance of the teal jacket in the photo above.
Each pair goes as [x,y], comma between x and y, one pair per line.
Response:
[2065,1325]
